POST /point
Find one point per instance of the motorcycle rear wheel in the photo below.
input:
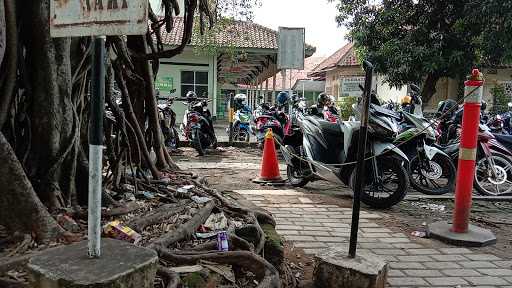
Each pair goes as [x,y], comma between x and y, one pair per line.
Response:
[392,172]
[440,181]
[494,185]
[196,142]
[295,177]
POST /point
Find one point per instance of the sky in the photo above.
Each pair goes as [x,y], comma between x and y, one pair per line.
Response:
[317,16]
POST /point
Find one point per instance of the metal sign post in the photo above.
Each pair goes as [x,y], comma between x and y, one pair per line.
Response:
[96,146]
[97,18]
[361,151]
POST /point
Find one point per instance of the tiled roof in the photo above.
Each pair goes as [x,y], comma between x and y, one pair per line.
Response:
[345,56]
[309,64]
[242,34]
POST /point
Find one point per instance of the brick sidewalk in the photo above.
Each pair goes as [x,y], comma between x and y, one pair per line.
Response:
[315,226]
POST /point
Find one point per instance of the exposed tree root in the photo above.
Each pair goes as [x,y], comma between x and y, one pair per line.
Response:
[171,278]
[157,216]
[186,230]
[267,274]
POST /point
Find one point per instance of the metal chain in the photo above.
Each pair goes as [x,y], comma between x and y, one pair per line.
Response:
[433,121]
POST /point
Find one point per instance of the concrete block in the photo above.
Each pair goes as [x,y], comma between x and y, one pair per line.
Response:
[334,268]
[122,265]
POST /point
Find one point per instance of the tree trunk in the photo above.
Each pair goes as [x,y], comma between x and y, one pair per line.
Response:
[20,208]
[429,88]
[53,111]
[143,69]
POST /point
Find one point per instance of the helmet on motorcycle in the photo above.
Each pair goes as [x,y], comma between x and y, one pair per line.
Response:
[191,94]
[446,106]
[282,98]
[240,98]
[332,100]
[324,100]
[483,106]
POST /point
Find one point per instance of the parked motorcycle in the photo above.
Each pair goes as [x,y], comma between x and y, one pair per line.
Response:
[493,172]
[328,152]
[167,119]
[242,119]
[269,117]
[197,126]
[431,171]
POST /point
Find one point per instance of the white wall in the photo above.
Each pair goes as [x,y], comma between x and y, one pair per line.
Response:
[188,61]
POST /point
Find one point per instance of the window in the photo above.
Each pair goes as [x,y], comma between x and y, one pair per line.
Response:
[196,81]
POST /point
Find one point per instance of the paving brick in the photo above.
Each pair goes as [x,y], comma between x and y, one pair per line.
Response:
[327,206]
[388,252]
[394,240]
[368,224]
[477,264]
[461,272]
[423,273]
[330,239]
[314,228]
[315,233]
[376,235]
[299,238]
[339,209]
[288,227]
[406,265]
[422,251]
[305,200]
[455,250]
[286,215]
[496,272]
[388,258]
[503,264]
[450,257]
[301,210]
[395,273]
[483,257]
[376,245]
[486,280]
[406,281]
[310,244]
[335,224]
[280,222]
[446,281]
[301,205]
[407,245]
[341,234]
[418,258]
[442,265]
[509,279]
[287,232]
[314,209]
[367,240]
[339,229]
[376,230]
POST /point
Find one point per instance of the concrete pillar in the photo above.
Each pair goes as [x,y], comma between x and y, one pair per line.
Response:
[121,265]
[266,91]
[334,269]
[274,79]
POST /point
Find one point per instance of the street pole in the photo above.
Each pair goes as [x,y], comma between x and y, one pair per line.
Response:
[467,152]
[231,112]
[96,147]
[360,170]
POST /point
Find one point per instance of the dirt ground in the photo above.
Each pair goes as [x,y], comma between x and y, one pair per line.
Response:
[408,216]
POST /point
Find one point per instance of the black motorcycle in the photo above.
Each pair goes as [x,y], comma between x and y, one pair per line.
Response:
[167,119]
[197,126]
[328,151]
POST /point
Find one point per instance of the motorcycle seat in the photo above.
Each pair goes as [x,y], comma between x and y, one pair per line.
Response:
[328,127]
[448,149]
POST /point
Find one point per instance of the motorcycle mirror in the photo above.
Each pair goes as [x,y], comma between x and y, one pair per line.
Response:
[361,87]
[415,88]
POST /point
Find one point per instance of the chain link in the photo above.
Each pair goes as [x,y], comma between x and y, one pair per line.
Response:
[432,122]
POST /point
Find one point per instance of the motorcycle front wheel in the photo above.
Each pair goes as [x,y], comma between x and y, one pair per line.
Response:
[433,177]
[389,189]
[493,175]
[196,141]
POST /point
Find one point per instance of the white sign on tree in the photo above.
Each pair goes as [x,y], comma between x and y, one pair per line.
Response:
[98,17]
[291,48]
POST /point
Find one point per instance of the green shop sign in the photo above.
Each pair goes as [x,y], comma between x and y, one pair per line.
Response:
[164,84]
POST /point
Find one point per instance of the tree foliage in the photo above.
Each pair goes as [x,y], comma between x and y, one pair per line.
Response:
[424,40]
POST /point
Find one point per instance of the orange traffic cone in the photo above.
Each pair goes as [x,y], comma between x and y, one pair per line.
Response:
[269,163]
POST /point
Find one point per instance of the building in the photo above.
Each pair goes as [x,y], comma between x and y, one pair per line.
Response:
[243,61]
[343,74]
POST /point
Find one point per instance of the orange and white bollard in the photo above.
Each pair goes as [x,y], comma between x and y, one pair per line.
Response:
[460,231]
